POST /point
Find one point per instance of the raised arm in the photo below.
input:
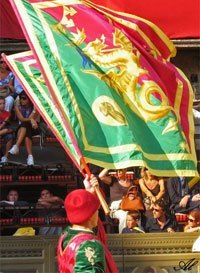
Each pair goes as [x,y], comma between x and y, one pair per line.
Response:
[105,178]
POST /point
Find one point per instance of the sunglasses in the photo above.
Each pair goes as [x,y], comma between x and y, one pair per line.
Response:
[23,98]
[191,220]
[2,62]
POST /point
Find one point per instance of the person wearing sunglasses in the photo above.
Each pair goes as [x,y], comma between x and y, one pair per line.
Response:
[161,220]
[193,224]
[28,126]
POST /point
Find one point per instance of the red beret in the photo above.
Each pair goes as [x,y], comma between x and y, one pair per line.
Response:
[80,205]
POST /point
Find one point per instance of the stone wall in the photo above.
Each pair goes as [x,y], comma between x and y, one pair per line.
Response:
[135,253]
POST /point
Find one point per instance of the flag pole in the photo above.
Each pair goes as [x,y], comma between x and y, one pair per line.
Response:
[97,190]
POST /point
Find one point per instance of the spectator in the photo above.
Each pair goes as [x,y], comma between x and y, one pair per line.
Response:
[13,199]
[152,187]
[12,196]
[6,85]
[132,223]
[79,250]
[12,202]
[193,221]
[118,188]
[49,202]
[5,129]
[161,220]
[181,197]
[18,88]
[28,127]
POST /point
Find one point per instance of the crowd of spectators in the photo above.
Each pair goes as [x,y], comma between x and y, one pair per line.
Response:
[136,219]
[48,205]
[160,217]
[162,199]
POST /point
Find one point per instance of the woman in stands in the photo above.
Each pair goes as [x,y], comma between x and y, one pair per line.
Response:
[152,187]
[6,85]
[118,188]
[28,126]
[193,222]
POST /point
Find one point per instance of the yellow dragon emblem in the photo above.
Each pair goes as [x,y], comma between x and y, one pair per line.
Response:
[122,66]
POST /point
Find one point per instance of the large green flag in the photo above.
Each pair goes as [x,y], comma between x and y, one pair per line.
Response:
[117,94]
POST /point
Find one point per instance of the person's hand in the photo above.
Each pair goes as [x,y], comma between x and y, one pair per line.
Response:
[184,201]
[153,199]
[196,197]
[34,124]
[170,230]
[91,183]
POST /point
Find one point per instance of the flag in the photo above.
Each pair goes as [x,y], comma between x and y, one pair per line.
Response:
[26,69]
[170,16]
[110,77]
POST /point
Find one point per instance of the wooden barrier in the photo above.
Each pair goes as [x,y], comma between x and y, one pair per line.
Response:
[134,253]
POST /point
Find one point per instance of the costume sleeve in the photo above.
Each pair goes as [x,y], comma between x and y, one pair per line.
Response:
[90,258]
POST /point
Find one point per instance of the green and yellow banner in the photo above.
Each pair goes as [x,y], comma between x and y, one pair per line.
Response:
[26,69]
[120,101]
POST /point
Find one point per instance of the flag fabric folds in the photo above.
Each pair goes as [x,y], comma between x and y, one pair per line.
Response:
[26,69]
[121,101]
[169,16]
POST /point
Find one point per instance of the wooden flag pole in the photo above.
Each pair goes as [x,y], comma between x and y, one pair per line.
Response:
[102,201]
[97,190]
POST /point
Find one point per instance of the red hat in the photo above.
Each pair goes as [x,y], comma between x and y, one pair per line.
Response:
[80,205]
